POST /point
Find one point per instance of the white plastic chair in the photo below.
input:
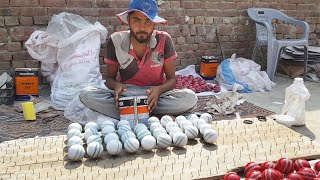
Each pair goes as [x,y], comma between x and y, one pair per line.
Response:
[264,36]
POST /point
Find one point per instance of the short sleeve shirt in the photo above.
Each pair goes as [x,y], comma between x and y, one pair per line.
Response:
[145,72]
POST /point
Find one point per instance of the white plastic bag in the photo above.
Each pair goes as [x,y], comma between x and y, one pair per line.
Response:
[240,74]
[73,45]
[294,106]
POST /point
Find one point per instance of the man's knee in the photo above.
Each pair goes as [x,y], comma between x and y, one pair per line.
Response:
[190,98]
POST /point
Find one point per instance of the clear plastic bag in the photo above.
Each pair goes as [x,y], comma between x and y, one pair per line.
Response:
[244,75]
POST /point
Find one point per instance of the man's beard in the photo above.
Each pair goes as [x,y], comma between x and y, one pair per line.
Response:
[139,38]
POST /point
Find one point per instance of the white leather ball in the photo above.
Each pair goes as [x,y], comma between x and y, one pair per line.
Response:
[148,142]
[74,140]
[73,132]
[165,119]
[131,145]
[210,136]
[94,149]
[76,152]
[207,117]
[180,139]
[75,126]
[114,147]
[109,137]
[94,138]
[107,129]
[191,132]
[92,125]
[164,140]
[89,132]
[179,119]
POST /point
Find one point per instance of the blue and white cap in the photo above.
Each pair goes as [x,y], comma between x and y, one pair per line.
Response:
[147,7]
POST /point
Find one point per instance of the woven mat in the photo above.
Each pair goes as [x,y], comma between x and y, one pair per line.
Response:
[238,144]
[13,126]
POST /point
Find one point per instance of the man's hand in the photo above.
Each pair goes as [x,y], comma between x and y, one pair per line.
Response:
[119,88]
[153,96]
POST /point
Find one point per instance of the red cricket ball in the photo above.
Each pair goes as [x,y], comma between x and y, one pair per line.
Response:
[285,165]
[267,165]
[300,163]
[317,166]
[254,174]
[294,176]
[231,176]
[251,166]
[271,174]
[307,173]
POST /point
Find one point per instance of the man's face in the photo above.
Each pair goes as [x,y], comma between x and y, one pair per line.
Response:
[141,27]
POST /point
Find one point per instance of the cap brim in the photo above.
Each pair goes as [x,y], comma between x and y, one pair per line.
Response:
[124,17]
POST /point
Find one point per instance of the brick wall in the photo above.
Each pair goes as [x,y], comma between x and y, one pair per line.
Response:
[194,25]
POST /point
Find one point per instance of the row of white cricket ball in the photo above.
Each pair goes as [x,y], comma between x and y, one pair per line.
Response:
[140,132]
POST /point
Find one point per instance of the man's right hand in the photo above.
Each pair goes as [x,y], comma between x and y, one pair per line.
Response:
[119,88]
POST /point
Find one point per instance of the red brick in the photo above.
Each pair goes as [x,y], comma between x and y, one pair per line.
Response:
[177,62]
[198,40]
[26,21]
[24,3]
[210,39]
[5,65]
[212,13]
[53,3]
[1,21]
[53,10]
[14,46]
[227,5]
[210,5]
[175,4]
[190,4]
[176,20]
[21,55]
[3,46]
[181,40]
[11,20]
[18,64]
[174,31]
[196,12]
[11,11]
[32,64]
[193,30]
[244,5]
[87,11]
[4,3]
[164,5]
[79,3]
[209,20]
[110,12]
[175,12]
[113,4]
[199,20]
[5,56]
[190,20]
[201,30]
[40,20]
[103,68]
[21,33]
[34,11]
[185,31]
[287,6]
[3,35]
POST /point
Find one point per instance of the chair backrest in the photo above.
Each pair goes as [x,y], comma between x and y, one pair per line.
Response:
[264,15]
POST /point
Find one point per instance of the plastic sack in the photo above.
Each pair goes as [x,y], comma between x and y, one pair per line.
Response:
[294,106]
[243,75]
[74,55]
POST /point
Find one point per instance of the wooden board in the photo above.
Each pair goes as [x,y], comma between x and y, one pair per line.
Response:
[237,145]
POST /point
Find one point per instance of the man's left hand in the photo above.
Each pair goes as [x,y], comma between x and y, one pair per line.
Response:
[153,96]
